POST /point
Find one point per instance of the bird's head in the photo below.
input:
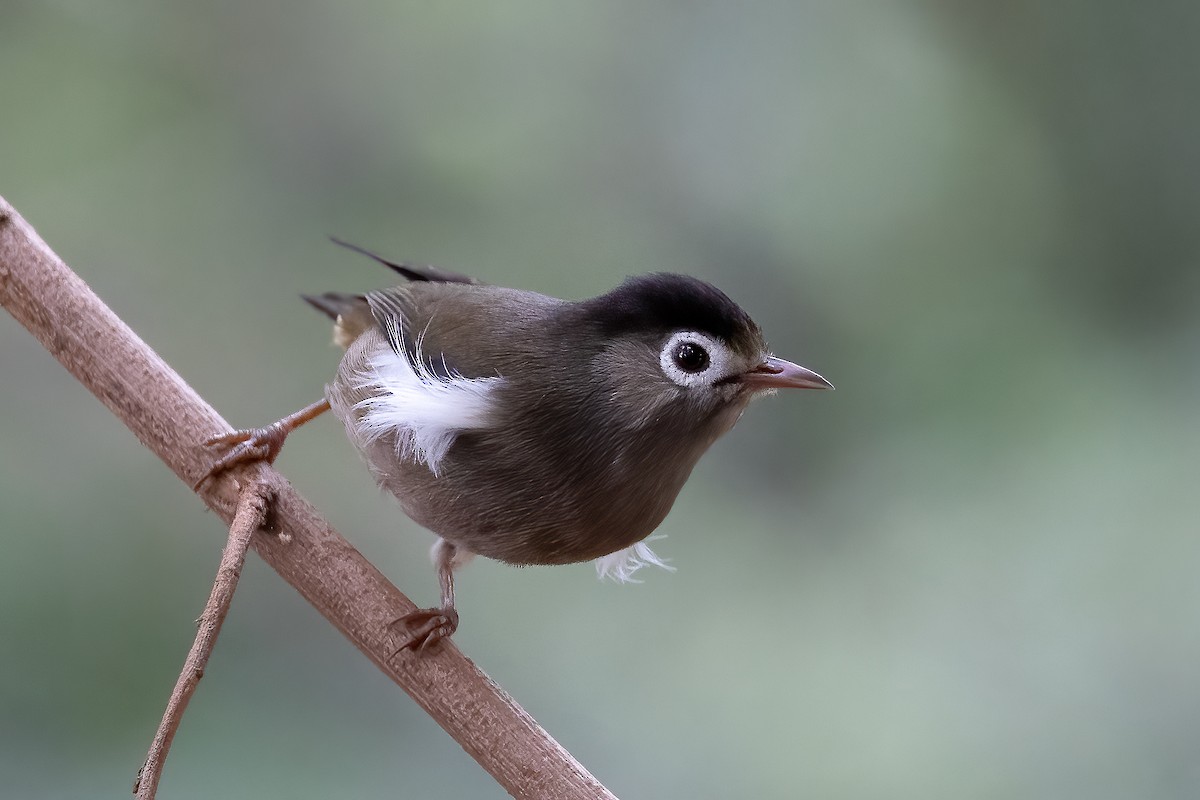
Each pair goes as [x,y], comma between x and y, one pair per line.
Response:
[678,354]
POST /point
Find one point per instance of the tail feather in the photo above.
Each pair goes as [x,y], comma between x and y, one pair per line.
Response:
[333,304]
[350,313]
[410,271]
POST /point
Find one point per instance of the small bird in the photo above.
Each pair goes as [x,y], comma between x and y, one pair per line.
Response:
[529,429]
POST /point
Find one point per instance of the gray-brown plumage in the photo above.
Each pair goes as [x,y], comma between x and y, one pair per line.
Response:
[534,430]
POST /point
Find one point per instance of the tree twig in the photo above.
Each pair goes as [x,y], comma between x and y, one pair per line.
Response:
[171,420]
[249,517]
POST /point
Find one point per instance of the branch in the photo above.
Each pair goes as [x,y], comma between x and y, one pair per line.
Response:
[169,418]
[250,515]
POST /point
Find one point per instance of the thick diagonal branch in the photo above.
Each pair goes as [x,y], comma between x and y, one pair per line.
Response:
[170,419]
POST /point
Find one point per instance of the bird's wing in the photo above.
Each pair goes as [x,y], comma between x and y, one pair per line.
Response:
[464,330]
[429,367]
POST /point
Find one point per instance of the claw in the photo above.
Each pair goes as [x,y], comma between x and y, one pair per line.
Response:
[425,628]
[235,437]
[255,444]
[258,444]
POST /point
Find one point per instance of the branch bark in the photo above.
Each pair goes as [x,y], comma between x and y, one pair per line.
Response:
[169,418]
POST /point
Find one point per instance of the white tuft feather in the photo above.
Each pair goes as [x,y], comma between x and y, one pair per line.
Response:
[621,565]
[424,411]
[459,559]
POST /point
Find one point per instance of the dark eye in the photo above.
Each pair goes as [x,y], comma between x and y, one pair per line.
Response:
[690,357]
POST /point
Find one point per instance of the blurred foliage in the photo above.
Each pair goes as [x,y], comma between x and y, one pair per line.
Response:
[968,572]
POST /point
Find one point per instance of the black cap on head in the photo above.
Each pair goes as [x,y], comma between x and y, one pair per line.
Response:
[665,302]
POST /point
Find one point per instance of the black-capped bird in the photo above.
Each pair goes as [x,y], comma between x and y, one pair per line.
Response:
[529,429]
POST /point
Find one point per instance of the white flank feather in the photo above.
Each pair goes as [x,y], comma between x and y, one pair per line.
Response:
[424,411]
[621,565]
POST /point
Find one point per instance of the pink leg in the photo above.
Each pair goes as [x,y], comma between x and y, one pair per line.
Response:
[427,626]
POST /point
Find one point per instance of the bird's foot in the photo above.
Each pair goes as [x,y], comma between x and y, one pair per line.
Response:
[425,627]
[255,444]
[259,444]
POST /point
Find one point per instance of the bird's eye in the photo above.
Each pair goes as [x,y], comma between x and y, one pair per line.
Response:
[690,357]
[694,358]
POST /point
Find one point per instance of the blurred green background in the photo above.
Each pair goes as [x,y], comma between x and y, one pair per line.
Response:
[970,572]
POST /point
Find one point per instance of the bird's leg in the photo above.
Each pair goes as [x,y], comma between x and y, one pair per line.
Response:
[258,444]
[426,626]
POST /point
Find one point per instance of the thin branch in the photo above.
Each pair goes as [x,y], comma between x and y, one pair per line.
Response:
[249,517]
[171,420]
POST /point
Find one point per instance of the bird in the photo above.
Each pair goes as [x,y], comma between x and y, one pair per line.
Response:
[529,429]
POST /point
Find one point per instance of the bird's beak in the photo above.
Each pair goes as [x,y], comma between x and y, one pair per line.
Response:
[775,373]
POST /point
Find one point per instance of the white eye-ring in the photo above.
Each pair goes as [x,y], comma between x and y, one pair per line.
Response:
[691,358]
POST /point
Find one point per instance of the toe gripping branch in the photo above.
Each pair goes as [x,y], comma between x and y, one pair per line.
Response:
[257,444]
[425,627]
